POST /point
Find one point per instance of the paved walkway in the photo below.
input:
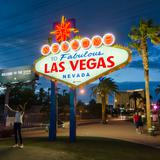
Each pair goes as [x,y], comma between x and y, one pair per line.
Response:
[115,129]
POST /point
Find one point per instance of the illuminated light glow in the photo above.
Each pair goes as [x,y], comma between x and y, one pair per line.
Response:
[82,91]
[65,46]
[55,48]
[45,50]
[75,44]
[80,62]
[81,67]
[155,107]
[63,30]
[97,41]
[86,43]
[108,39]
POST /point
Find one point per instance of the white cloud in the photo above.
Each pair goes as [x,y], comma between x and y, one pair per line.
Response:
[12,42]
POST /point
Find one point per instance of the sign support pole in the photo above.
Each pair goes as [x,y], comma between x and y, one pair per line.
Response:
[72,115]
[52,126]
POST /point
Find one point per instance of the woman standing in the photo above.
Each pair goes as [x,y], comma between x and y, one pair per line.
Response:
[19,112]
[135,119]
[140,123]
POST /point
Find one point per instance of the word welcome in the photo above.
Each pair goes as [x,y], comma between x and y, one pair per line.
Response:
[75,44]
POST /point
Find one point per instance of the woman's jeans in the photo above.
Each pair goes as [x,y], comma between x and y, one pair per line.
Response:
[17,132]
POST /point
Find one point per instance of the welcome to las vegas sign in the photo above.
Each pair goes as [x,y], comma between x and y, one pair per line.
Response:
[80,62]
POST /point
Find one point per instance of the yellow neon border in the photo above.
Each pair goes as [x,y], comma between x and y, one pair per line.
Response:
[94,78]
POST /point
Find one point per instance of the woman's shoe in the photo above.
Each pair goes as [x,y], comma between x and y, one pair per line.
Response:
[15,146]
[21,146]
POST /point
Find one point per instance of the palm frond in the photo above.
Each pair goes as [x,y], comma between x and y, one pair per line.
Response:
[155,40]
[135,45]
[135,95]
[154,34]
[134,34]
[105,87]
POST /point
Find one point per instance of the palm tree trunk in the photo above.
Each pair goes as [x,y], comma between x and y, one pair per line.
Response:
[104,109]
[148,109]
[146,76]
[135,103]
[107,107]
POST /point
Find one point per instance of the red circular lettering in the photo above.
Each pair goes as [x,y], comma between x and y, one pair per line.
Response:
[55,48]
[65,46]
[45,50]
[85,43]
[108,39]
[75,44]
[97,41]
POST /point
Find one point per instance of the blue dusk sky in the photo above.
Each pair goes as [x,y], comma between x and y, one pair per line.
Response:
[25,26]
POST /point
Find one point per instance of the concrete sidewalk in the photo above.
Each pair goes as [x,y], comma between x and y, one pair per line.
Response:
[115,129]
[122,130]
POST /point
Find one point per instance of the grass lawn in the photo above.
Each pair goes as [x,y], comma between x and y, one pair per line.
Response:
[86,148]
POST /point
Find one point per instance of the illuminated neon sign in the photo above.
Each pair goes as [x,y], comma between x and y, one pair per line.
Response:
[80,62]
[63,30]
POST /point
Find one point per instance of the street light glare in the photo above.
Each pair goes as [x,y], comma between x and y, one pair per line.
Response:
[82,91]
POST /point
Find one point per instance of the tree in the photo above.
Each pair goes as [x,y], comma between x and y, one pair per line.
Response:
[103,89]
[95,109]
[64,91]
[42,96]
[22,95]
[92,102]
[140,36]
[80,107]
[157,90]
[135,96]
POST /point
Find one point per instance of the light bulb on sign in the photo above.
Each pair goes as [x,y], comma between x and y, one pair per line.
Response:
[45,50]
[86,43]
[75,44]
[97,41]
[65,46]
[55,48]
[108,39]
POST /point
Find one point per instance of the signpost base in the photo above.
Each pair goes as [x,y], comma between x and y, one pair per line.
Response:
[52,126]
[72,115]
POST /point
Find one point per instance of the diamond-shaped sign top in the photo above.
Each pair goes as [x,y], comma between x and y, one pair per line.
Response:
[77,68]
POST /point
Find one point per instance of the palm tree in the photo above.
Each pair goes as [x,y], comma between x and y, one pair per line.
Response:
[103,89]
[157,90]
[135,96]
[140,36]
[41,95]
[64,91]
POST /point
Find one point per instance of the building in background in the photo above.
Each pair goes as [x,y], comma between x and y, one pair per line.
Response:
[130,99]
